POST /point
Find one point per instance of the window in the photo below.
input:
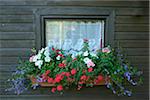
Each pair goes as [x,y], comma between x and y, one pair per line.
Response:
[58,25]
[68,34]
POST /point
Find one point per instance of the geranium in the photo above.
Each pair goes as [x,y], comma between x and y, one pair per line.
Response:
[50,80]
[62,65]
[90,69]
[83,77]
[47,72]
[58,78]
[53,90]
[59,88]
[73,71]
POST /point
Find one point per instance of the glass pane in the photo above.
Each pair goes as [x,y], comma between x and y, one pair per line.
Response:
[69,34]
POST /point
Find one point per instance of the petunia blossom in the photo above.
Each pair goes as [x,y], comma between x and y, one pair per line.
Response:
[106,50]
[85,53]
[47,59]
[39,63]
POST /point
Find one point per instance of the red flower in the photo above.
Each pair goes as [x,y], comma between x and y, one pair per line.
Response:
[50,80]
[61,55]
[47,72]
[58,78]
[57,50]
[59,87]
[53,48]
[90,69]
[83,77]
[53,90]
[73,71]
[63,73]
[100,77]
[80,82]
[74,59]
[67,74]
[62,65]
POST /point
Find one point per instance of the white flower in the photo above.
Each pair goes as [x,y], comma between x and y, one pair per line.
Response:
[42,50]
[35,58]
[86,60]
[85,53]
[58,57]
[47,59]
[93,54]
[39,63]
[46,48]
[39,56]
[46,53]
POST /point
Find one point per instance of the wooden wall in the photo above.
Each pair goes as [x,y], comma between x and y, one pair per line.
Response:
[17,36]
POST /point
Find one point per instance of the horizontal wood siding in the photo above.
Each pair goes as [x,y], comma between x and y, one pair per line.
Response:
[17,37]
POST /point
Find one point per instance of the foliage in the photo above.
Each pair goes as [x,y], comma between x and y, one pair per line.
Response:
[87,67]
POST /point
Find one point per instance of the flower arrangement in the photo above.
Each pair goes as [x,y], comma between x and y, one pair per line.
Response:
[62,69]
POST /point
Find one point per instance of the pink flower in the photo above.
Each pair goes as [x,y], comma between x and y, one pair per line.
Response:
[73,71]
[59,87]
[53,90]
[90,64]
[31,59]
[79,87]
[106,50]
[90,69]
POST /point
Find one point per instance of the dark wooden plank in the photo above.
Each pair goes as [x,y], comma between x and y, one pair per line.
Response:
[17,43]
[131,27]
[15,52]
[76,3]
[132,11]
[138,59]
[132,36]
[11,60]
[13,10]
[16,18]
[17,35]
[132,43]
[136,51]
[132,19]
[16,27]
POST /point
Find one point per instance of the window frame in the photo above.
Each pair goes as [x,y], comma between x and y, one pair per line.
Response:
[74,13]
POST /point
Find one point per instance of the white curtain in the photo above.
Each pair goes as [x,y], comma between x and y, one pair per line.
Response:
[69,34]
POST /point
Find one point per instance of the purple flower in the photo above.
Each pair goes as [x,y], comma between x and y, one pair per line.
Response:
[127,75]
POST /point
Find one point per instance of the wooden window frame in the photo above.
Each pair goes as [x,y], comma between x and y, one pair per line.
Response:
[74,13]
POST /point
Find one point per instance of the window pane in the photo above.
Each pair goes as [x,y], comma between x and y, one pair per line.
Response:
[69,34]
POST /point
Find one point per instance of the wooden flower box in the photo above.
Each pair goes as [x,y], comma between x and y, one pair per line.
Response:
[46,84]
